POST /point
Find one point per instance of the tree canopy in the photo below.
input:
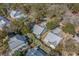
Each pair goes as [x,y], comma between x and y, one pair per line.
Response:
[19,53]
[53,24]
[3,42]
[69,28]
[20,27]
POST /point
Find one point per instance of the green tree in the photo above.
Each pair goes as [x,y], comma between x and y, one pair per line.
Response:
[69,28]
[53,24]
[19,53]
[15,26]
[31,38]
[20,27]
[3,10]
[25,30]
[3,42]
[3,34]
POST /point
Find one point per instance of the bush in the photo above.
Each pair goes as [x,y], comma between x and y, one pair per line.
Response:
[19,53]
[69,28]
[52,24]
[25,30]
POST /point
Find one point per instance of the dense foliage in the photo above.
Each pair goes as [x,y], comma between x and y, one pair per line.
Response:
[53,24]
[3,42]
[19,53]
[69,28]
[19,27]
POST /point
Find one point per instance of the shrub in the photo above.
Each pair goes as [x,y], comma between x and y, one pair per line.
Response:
[69,28]
[52,24]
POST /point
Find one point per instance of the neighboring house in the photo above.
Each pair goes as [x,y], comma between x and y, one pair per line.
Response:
[57,31]
[3,21]
[17,14]
[17,42]
[52,40]
[36,52]
[38,30]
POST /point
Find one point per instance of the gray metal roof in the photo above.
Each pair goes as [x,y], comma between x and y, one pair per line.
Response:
[37,30]
[52,39]
[3,21]
[35,52]
[17,42]
[57,31]
[16,14]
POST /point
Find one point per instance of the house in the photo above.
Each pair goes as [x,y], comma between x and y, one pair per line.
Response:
[17,14]
[3,21]
[36,51]
[38,30]
[57,31]
[16,42]
[52,40]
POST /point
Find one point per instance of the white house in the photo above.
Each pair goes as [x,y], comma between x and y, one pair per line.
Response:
[52,40]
